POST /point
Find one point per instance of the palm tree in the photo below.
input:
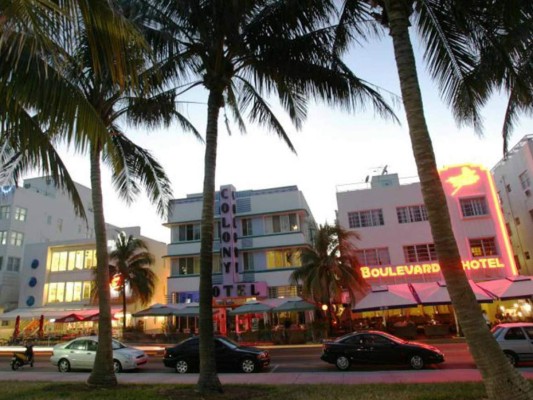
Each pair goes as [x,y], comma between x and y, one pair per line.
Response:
[241,51]
[329,267]
[449,53]
[131,261]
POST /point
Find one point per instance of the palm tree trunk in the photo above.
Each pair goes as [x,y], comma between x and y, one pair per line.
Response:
[102,373]
[501,380]
[123,306]
[208,380]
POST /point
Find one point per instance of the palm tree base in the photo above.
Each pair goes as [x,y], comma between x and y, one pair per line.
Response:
[102,380]
[209,384]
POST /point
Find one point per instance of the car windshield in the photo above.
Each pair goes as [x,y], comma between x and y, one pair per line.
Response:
[393,338]
[117,345]
[341,338]
[228,342]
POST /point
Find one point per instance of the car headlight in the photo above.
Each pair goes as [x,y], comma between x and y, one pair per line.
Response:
[262,355]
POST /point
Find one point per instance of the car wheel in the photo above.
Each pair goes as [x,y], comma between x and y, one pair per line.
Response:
[182,367]
[416,361]
[63,365]
[342,363]
[117,366]
[513,359]
[248,365]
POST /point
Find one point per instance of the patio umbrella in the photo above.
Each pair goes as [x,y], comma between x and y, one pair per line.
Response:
[436,293]
[16,330]
[156,310]
[96,317]
[70,318]
[387,297]
[40,332]
[513,287]
[190,310]
[294,305]
[251,308]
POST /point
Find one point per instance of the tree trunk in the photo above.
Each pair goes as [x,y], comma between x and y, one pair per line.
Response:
[123,306]
[208,380]
[501,380]
[102,373]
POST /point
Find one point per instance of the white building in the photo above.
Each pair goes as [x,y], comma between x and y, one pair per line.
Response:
[256,241]
[512,176]
[396,245]
[36,213]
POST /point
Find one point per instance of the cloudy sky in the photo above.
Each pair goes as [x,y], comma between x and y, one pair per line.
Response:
[334,148]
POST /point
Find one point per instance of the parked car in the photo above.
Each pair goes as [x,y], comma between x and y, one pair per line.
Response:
[185,356]
[80,353]
[376,347]
[516,340]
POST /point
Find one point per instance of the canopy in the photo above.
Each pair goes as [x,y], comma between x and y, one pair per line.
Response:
[96,318]
[294,305]
[251,308]
[70,318]
[157,310]
[436,293]
[387,297]
[190,310]
[513,287]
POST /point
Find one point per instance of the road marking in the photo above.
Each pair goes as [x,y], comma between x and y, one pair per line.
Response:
[272,369]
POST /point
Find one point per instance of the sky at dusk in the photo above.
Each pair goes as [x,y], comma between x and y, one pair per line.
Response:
[334,148]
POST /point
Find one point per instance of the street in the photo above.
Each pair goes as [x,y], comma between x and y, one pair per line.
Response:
[293,359]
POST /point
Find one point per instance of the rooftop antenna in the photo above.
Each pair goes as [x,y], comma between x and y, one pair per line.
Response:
[367,178]
[384,171]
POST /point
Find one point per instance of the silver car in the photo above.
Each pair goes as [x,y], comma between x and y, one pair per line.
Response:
[516,340]
[80,353]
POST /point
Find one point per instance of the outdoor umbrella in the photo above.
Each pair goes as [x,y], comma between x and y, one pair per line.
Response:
[436,293]
[190,310]
[513,287]
[387,297]
[294,305]
[70,318]
[251,308]
[96,317]
[40,332]
[157,310]
[16,331]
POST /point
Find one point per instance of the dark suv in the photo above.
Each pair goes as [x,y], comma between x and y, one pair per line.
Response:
[185,357]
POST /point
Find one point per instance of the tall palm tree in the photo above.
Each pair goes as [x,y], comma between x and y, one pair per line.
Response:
[131,261]
[241,51]
[450,56]
[329,267]
[141,99]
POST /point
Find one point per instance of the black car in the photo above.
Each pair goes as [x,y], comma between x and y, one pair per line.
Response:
[375,347]
[185,357]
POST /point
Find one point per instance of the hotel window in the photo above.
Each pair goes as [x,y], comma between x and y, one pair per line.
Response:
[16,239]
[473,207]
[72,260]
[282,223]
[20,214]
[412,214]
[185,266]
[247,227]
[379,256]
[483,247]
[13,264]
[188,232]
[248,261]
[363,219]
[419,253]
[217,264]
[216,231]
[287,258]
[5,212]
[3,237]
[524,180]
[283,291]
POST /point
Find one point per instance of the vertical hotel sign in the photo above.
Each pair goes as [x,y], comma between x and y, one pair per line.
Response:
[229,253]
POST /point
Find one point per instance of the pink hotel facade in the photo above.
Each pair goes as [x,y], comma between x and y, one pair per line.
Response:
[396,245]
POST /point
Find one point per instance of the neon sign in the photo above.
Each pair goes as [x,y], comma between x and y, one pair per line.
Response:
[430,268]
[467,177]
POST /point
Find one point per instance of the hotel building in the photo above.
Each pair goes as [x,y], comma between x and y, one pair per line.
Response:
[257,238]
[512,176]
[396,245]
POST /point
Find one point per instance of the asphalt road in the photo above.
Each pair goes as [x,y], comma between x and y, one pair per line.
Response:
[297,359]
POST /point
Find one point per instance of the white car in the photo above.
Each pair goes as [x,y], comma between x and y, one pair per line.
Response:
[516,340]
[80,353]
